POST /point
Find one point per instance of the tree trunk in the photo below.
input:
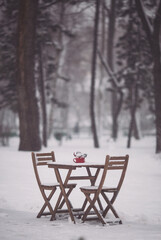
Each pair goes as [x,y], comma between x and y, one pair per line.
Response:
[157,75]
[114,100]
[134,99]
[157,90]
[93,77]
[42,96]
[27,102]
[100,103]
[58,37]
[153,36]
[136,129]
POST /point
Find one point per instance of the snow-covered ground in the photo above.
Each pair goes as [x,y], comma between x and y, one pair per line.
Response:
[138,203]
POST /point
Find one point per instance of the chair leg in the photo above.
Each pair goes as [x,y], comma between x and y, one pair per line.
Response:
[109,207]
[111,201]
[56,207]
[60,204]
[63,201]
[47,203]
[85,203]
[92,202]
[100,204]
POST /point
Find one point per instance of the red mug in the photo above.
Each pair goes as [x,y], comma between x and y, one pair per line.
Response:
[79,160]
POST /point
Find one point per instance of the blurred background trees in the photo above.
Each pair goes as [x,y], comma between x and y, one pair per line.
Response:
[74,68]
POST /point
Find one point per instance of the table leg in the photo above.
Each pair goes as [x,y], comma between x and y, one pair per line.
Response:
[64,193]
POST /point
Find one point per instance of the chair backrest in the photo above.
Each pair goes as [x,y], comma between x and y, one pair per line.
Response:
[41,159]
[104,173]
[114,163]
[119,163]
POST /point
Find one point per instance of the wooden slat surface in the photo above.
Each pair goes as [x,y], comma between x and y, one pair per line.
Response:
[45,159]
[81,177]
[43,154]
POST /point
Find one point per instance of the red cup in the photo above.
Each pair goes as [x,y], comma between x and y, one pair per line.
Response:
[79,160]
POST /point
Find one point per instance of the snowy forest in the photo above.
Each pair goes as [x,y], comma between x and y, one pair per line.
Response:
[76,68]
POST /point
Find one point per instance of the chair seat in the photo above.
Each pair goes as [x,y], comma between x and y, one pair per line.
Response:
[95,188]
[86,188]
[56,184]
[106,189]
[70,185]
[50,184]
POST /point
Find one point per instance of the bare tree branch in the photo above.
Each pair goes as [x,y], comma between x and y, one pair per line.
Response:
[64,78]
[43,6]
[145,20]
[108,70]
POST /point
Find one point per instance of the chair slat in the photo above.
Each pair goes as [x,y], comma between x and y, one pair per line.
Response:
[118,158]
[44,159]
[41,163]
[116,163]
[115,167]
[43,154]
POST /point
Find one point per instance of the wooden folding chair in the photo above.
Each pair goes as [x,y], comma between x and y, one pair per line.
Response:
[113,163]
[39,160]
[95,191]
[118,163]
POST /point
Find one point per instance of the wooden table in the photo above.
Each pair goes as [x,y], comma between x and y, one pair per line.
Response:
[70,167]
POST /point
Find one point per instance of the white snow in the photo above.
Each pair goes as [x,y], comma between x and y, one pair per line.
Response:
[138,203]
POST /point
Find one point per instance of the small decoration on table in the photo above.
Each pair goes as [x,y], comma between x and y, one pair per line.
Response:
[79,157]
